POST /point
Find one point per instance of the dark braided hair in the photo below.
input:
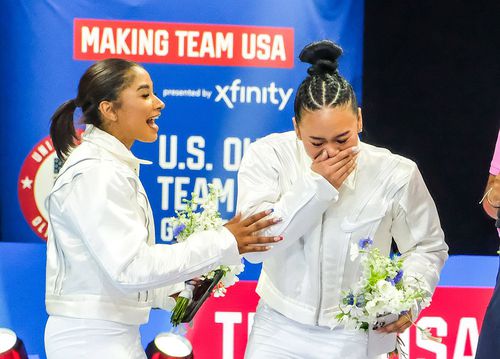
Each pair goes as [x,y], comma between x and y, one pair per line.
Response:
[323,87]
[103,81]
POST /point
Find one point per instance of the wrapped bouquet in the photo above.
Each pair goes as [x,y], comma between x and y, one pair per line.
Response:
[383,293]
[200,214]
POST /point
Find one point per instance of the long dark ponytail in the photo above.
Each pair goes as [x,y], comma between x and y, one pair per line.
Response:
[103,81]
[62,129]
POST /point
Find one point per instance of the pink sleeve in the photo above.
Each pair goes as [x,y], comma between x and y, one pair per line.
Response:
[495,162]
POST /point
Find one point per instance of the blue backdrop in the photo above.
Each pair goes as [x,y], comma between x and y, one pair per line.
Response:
[211,133]
[203,130]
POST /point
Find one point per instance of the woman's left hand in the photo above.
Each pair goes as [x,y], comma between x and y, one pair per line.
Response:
[491,200]
[494,196]
[399,326]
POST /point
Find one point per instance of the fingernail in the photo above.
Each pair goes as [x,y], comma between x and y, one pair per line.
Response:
[269,247]
[269,211]
[277,220]
[355,149]
[279,238]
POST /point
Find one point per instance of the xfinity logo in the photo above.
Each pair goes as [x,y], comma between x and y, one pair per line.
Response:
[235,93]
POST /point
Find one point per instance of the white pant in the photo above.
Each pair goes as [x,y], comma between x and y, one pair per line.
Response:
[275,336]
[89,338]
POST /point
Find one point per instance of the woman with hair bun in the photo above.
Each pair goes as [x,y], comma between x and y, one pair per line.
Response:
[331,190]
[104,270]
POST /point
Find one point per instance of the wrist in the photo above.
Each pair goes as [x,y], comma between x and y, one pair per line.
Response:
[490,202]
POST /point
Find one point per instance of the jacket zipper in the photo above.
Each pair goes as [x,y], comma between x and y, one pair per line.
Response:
[61,270]
[61,273]
[146,215]
[320,286]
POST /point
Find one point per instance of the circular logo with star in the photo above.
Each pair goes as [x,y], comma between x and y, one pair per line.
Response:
[36,179]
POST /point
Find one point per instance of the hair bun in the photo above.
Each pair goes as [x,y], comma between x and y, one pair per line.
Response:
[322,55]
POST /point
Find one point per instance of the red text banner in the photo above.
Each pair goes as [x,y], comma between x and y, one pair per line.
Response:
[221,328]
[178,43]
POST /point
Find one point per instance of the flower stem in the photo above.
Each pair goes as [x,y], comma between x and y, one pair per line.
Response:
[426,334]
[179,310]
[181,304]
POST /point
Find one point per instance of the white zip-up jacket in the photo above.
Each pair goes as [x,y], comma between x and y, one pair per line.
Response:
[102,260]
[304,276]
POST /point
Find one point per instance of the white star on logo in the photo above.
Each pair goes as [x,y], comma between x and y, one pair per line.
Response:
[26,182]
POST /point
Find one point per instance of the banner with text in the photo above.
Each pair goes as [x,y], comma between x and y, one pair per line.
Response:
[226,72]
[458,322]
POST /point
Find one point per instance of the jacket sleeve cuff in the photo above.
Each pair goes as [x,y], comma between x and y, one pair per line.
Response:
[324,189]
[162,296]
[229,247]
[220,242]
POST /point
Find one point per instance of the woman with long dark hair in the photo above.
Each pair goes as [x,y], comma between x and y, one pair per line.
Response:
[104,270]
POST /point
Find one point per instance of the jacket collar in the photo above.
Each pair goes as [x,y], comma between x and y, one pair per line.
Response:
[111,144]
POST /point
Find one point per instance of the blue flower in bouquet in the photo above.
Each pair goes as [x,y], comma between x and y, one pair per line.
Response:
[362,245]
[395,255]
[360,301]
[349,299]
[398,276]
[365,243]
[178,229]
[383,287]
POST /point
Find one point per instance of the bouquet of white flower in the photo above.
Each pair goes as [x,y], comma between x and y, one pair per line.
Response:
[384,288]
[187,222]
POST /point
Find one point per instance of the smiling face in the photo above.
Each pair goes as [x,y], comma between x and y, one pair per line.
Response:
[331,129]
[133,116]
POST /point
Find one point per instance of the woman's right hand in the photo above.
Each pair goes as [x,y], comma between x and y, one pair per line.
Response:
[336,169]
[245,232]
